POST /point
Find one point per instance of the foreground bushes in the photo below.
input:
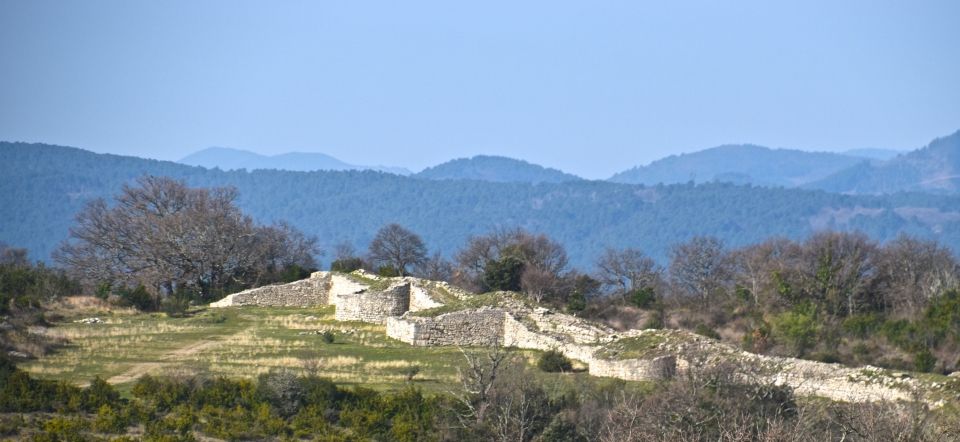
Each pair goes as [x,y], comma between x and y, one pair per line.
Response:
[505,401]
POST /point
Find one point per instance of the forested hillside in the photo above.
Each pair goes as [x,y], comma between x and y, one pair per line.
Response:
[935,168]
[44,186]
[495,169]
[742,164]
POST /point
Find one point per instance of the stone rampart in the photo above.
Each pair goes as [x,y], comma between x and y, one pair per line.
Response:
[304,293]
[368,298]
[373,306]
[471,328]
[663,367]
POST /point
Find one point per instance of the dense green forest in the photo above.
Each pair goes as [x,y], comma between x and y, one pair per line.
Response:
[43,187]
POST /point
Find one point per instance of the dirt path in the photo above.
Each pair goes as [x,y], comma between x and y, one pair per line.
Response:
[174,356]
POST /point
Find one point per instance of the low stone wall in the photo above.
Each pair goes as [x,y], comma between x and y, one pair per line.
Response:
[420,299]
[304,293]
[663,367]
[470,328]
[517,334]
[542,329]
[373,306]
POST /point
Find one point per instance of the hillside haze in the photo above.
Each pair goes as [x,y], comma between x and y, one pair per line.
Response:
[934,168]
[741,164]
[226,158]
[44,186]
[495,169]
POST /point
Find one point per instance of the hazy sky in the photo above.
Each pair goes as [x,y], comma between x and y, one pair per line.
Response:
[591,87]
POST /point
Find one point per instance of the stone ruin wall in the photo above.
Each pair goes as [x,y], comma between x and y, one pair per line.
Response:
[371,306]
[471,328]
[663,367]
[304,293]
[538,329]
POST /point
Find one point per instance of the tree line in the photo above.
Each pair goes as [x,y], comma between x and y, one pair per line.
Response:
[835,296]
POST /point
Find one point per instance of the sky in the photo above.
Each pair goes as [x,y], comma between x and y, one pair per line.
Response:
[591,88]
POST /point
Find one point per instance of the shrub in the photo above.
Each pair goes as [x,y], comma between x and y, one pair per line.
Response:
[655,320]
[643,297]
[411,372]
[388,271]
[704,330]
[553,361]
[328,337]
[577,302]
[924,361]
[862,325]
[797,327]
[109,420]
[138,298]
[346,265]
[503,274]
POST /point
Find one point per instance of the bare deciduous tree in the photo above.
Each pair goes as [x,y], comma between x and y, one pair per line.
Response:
[699,267]
[168,237]
[626,270]
[396,246]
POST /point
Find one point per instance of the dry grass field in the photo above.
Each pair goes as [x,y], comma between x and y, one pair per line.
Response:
[243,342]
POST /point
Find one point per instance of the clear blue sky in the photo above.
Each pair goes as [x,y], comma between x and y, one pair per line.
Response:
[588,87]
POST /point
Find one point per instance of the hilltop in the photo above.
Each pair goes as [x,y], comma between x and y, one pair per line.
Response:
[934,168]
[742,164]
[226,158]
[495,169]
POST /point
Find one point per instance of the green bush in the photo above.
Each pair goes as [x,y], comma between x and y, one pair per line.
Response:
[503,274]
[552,361]
[138,298]
[346,265]
[924,361]
[109,420]
[328,337]
[704,330]
[862,325]
[798,328]
[643,297]
[388,271]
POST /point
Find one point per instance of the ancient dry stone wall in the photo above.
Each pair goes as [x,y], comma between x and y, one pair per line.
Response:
[304,293]
[663,367]
[481,327]
[373,306]
[361,297]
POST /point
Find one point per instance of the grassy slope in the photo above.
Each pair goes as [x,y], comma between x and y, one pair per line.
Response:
[244,342]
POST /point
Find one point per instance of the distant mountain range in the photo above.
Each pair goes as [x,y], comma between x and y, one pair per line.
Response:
[495,169]
[225,158]
[934,168]
[741,164]
[856,171]
[42,187]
